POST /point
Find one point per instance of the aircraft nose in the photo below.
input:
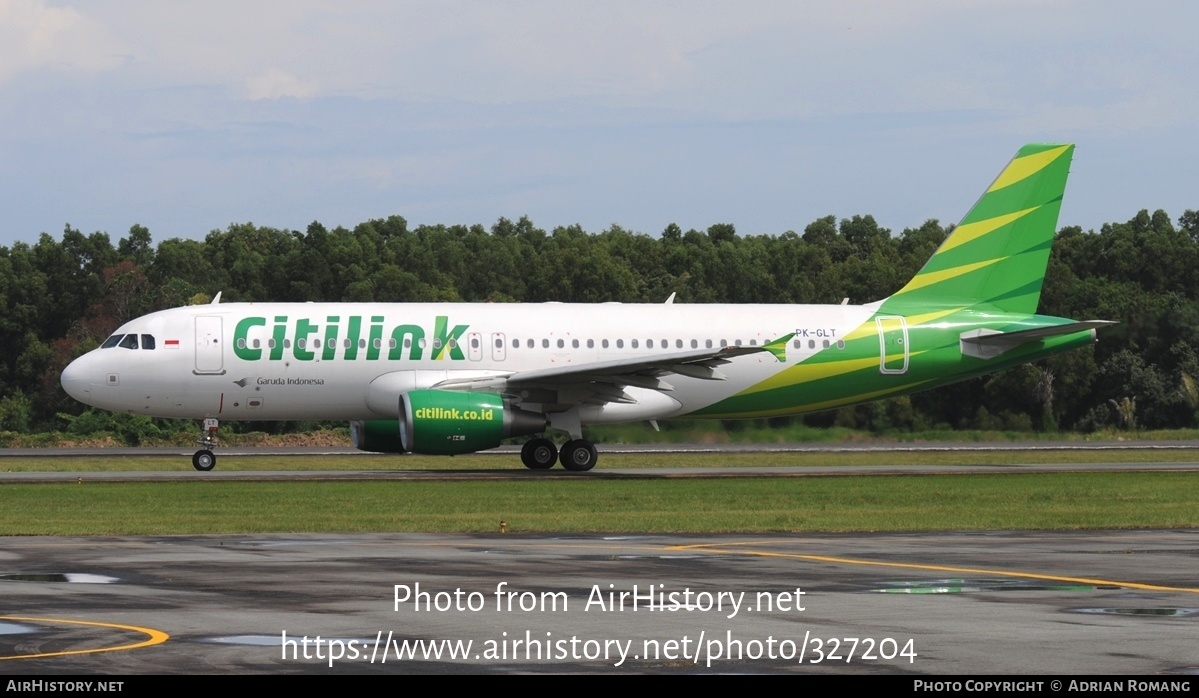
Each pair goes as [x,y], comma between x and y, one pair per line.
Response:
[77,380]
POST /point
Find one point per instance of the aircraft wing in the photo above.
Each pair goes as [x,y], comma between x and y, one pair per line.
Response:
[603,381]
[987,344]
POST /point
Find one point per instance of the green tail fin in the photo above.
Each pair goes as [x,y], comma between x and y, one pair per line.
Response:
[997,255]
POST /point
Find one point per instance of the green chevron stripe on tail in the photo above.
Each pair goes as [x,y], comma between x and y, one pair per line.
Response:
[995,258]
[971,309]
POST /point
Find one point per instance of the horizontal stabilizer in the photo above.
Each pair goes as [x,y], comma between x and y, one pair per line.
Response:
[987,344]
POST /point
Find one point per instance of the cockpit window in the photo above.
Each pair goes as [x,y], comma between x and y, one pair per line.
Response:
[147,341]
[129,342]
[111,341]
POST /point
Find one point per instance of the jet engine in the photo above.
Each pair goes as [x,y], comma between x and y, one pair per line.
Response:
[446,422]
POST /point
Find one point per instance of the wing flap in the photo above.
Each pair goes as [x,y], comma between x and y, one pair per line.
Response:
[602,381]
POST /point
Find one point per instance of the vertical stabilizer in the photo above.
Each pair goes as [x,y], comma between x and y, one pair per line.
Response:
[996,257]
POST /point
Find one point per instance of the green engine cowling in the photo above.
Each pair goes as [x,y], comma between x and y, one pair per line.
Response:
[446,422]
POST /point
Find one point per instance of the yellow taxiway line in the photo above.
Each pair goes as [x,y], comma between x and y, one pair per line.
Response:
[731,549]
[154,637]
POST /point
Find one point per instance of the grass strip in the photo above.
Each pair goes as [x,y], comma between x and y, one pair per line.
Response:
[871,503]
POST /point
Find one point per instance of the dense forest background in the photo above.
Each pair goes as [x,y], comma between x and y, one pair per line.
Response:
[60,298]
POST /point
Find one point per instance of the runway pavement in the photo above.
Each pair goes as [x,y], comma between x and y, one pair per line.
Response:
[830,447]
[506,463]
[1109,602]
[1113,603]
[518,473]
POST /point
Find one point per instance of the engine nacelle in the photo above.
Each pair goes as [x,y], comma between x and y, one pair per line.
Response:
[447,422]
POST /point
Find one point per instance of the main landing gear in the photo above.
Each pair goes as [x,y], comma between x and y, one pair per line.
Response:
[578,455]
[204,459]
[540,454]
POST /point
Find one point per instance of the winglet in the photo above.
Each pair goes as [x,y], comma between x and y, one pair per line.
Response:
[779,347]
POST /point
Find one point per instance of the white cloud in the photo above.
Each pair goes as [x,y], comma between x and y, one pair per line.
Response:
[274,83]
[582,111]
[35,35]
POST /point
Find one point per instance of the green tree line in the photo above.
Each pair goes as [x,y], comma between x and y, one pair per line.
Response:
[60,297]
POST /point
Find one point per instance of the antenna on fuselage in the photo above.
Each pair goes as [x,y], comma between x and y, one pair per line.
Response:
[217,298]
[670,301]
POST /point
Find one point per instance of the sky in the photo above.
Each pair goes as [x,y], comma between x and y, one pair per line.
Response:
[189,116]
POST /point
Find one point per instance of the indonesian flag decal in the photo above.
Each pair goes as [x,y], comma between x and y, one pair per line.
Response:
[172,344]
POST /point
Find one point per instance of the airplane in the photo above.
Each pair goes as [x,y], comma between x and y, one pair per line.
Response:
[451,378]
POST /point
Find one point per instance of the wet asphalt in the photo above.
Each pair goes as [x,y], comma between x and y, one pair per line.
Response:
[1108,602]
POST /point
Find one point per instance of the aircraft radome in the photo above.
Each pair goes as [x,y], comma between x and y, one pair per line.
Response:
[449,378]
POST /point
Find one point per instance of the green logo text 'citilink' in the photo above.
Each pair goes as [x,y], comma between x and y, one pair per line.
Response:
[335,340]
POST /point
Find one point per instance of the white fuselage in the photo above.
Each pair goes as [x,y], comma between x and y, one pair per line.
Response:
[346,361]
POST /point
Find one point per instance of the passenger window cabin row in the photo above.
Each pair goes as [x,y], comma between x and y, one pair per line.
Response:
[131,341]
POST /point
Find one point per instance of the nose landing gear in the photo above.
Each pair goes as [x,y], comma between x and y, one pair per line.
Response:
[204,459]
